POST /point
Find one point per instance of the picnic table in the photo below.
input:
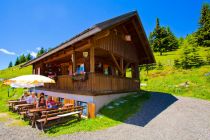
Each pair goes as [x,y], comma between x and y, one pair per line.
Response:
[68,105]
[20,107]
[35,111]
[12,103]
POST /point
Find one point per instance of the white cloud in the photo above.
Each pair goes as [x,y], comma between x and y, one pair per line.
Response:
[34,54]
[7,52]
[38,48]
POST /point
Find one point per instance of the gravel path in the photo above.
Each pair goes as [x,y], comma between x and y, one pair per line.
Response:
[162,117]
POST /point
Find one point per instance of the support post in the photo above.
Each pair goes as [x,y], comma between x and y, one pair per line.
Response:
[135,71]
[92,59]
[91,110]
[74,61]
[122,67]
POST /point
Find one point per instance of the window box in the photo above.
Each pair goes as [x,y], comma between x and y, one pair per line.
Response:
[80,77]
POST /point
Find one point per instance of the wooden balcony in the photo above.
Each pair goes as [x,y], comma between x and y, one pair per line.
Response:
[94,85]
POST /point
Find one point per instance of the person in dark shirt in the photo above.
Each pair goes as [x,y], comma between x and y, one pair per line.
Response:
[42,102]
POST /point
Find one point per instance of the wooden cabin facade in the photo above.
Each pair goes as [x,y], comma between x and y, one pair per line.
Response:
[94,63]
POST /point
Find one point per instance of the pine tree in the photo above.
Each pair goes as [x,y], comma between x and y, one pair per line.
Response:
[204,14]
[10,64]
[162,39]
[17,62]
[172,41]
[203,32]
[41,51]
[28,57]
[189,58]
[22,59]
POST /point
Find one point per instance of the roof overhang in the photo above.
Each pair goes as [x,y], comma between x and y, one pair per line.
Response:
[94,30]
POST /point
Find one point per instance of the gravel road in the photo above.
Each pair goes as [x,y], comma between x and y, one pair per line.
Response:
[162,117]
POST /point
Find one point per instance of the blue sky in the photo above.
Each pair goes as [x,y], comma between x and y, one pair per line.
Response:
[25,25]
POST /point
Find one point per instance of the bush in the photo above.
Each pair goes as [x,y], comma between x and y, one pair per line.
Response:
[177,63]
[208,58]
[189,58]
[159,66]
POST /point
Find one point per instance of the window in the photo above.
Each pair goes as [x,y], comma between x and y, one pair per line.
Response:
[84,104]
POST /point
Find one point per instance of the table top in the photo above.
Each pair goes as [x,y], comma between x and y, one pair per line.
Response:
[22,105]
[68,105]
[16,101]
[39,109]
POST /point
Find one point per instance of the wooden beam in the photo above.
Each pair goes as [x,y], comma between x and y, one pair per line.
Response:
[135,71]
[116,63]
[58,57]
[92,59]
[65,53]
[74,61]
[84,47]
[102,35]
[122,66]
[126,66]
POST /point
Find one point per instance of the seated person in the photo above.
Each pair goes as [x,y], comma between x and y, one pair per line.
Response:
[41,95]
[32,99]
[51,103]
[25,96]
[41,102]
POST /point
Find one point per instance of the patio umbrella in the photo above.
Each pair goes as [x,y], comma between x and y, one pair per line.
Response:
[15,85]
[29,80]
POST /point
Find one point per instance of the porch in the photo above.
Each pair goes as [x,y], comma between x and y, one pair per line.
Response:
[94,84]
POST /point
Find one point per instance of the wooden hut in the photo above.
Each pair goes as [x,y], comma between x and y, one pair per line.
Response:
[90,68]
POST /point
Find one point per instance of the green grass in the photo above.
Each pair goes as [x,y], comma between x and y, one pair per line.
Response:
[168,79]
[167,59]
[107,118]
[15,71]
[5,115]
[16,93]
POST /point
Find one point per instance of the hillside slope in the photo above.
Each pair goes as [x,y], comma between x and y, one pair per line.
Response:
[14,72]
[166,78]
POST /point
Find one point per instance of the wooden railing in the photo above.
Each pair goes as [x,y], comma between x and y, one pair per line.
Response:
[95,83]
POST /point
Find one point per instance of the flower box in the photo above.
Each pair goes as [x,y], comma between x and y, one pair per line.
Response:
[79,77]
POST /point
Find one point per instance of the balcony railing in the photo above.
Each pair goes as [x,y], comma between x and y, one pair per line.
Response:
[95,83]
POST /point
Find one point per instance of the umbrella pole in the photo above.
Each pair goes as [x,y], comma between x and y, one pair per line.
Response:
[8,92]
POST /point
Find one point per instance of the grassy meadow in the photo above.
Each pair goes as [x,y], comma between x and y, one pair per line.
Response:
[168,79]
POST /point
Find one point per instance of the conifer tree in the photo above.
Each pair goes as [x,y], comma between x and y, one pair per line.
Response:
[162,39]
[22,59]
[10,64]
[203,32]
[28,57]
[17,62]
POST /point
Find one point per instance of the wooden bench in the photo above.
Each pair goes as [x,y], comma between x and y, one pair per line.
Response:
[24,111]
[50,118]
[12,103]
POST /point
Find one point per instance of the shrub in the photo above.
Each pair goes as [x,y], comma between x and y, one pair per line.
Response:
[176,63]
[189,58]
[159,66]
[208,58]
